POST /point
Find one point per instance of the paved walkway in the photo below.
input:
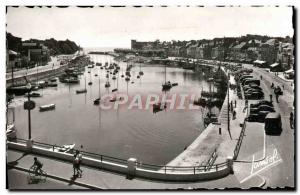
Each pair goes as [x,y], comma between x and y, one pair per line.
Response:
[109,180]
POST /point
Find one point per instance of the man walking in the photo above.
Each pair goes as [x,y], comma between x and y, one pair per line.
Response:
[292,120]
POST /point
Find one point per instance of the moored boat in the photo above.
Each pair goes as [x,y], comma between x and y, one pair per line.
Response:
[47,107]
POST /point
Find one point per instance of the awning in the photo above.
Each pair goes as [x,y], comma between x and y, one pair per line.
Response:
[274,65]
[289,71]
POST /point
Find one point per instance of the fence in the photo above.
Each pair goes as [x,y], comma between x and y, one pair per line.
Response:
[163,172]
[239,142]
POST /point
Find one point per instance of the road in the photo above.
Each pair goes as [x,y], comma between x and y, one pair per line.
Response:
[282,174]
[18,181]
[53,64]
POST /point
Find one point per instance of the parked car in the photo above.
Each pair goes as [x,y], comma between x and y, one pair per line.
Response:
[262,108]
[252,86]
[251,90]
[257,117]
[273,123]
[262,102]
[248,81]
[254,95]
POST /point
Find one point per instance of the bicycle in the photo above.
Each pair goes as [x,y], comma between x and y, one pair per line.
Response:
[36,176]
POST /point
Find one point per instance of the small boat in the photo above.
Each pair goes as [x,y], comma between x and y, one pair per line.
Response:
[52,84]
[107,85]
[159,107]
[78,91]
[33,94]
[167,86]
[114,78]
[97,101]
[90,66]
[127,79]
[122,76]
[174,84]
[65,148]
[11,132]
[132,82]
[47,107]
[96,75]
[114,90]
[90,83]
[113,99]
[101,68]
[89,71]
[138,76]
[53,79]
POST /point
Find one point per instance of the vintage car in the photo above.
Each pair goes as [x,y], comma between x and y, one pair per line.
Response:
[262,108]
[254,95]
[262,102]
[273,125]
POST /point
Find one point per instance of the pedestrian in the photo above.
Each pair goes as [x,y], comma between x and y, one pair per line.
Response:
[277,96]
[75,164]
[235,103]
[271,98]
[260,77]
[292,120]
[231,106]
[233,115]
[79,160]
[272,85]
[283,86]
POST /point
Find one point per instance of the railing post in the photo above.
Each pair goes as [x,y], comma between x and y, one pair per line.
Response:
[165,169]
[101,158]
[194,170]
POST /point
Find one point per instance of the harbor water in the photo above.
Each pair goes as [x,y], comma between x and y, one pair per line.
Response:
[123,133]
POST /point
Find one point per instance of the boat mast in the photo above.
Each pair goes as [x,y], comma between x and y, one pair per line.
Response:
[99,87]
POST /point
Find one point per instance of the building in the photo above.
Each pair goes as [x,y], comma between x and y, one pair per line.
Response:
[13,60]
[268,51]
[35,52]
[238,52]
[285,55]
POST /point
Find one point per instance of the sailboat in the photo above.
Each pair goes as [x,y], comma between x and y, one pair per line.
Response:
[122,73]
[141,73]
[97,101]
[90,83]
[167,85]
[210,117]
[78,91]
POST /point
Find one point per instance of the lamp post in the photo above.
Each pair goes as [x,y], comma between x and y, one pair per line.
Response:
[29,105]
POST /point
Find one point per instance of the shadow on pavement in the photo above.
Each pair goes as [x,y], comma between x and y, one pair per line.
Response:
[11,164]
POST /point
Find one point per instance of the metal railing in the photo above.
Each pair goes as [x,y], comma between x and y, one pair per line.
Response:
[239,142]
[210,167]
[211,160]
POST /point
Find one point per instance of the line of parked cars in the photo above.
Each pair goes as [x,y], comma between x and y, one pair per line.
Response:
[264,112]
[251,87]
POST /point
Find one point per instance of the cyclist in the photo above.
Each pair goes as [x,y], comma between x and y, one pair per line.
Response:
[38,166]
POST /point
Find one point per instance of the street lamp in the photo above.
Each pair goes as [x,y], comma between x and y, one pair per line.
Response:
[29,105]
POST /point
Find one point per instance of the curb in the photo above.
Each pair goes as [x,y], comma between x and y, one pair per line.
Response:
[92,187]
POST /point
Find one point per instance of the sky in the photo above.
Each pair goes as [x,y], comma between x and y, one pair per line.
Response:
[115,27]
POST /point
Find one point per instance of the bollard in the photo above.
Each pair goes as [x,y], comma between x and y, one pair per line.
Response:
[29,144]
[229,161]
[220,131]
[131,166]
